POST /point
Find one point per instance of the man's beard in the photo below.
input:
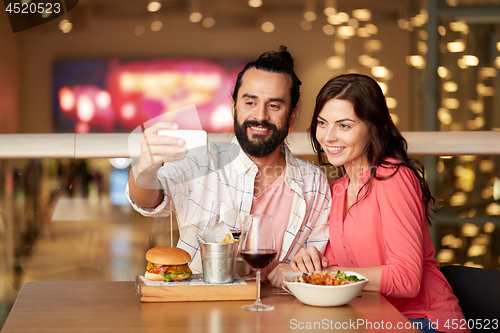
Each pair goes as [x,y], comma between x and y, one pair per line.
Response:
[259,146]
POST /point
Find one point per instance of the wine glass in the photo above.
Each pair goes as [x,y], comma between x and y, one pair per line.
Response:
[258,250]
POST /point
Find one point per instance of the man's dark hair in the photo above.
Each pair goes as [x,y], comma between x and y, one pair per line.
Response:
[274,62]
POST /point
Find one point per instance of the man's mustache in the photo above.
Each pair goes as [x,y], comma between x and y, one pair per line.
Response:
[256,123]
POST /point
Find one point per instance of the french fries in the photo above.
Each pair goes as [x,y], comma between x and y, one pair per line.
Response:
[228,239]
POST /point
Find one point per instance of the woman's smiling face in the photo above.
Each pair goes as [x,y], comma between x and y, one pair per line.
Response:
[342,135]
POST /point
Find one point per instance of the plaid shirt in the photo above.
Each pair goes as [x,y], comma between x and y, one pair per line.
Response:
[227,172]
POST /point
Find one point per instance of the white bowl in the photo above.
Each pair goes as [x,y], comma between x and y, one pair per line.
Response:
[315,295]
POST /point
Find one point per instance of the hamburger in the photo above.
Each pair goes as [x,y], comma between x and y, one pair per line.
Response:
[167,263]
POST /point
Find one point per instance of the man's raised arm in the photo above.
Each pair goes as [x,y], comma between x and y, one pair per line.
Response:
[145,189]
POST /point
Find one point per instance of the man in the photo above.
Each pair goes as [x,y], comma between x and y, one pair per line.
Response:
[256,170]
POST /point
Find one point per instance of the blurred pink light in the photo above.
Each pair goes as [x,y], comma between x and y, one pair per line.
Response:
[128,111]
[67,99]
[103,99]
[82,127]
[221,118]
[85,108]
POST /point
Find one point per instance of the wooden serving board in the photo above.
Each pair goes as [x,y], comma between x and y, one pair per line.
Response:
[183,293]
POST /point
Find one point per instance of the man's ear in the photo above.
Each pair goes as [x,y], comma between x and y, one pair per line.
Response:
[293,115]
[233,103]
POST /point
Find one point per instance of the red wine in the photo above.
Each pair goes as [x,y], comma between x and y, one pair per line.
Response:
[259,259]
[236,234]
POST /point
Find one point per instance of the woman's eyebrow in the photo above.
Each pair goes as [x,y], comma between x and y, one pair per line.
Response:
[345,119]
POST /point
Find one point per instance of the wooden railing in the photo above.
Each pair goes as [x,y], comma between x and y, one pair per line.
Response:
[117,145]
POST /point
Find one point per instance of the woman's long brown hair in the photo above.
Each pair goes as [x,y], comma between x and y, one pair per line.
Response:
[385,140]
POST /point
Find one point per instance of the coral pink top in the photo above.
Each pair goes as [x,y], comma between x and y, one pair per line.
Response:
[388,228]
[276,200]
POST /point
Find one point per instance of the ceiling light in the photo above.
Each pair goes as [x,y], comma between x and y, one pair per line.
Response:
[470,60]
[451,103]
[368,61]
[458,199]
[353,23]
[346,32]
[195,17]
[379,71]
[484,90]
[476,106]
[328,29]
[330,7]
[450,86]
[306,25]
[422,47]
[333,20]
[479,122]
[444,116]
[363,32]
[255,3]
[443,72]
[373,45]
[208,22]
[154,6]
[139,30]
[343,17]
[156,26]
[267,27]
[489,227]
[339,47]
[372,28]
[62,24]
[461,63]
[335,62]
[456,46]
[442,30]
[384,87]
[488,72]
[362,14]
[403,24]
[395,118]
[419,20]
[46,13]
[459,27]
[310,16]
[329,11]
[392,103]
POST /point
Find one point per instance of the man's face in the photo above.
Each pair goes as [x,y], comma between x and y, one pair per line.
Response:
[262,114]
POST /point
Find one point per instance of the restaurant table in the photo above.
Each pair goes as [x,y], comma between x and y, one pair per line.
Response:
[114,307]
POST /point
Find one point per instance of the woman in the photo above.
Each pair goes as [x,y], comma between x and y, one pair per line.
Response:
[381,208]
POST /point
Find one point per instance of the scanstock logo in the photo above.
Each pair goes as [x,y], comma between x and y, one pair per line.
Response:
[26,14]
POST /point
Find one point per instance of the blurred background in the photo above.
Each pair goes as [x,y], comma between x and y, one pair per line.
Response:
[107,66]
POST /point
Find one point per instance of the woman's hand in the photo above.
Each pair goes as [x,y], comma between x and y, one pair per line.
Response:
[308,260]
[275,277]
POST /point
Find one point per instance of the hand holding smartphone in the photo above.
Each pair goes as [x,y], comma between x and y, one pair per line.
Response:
[196,141]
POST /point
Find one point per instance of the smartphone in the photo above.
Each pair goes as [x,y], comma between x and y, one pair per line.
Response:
[196,141]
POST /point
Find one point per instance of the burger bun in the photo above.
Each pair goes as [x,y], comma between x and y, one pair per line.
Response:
[168,255]
[154,277]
